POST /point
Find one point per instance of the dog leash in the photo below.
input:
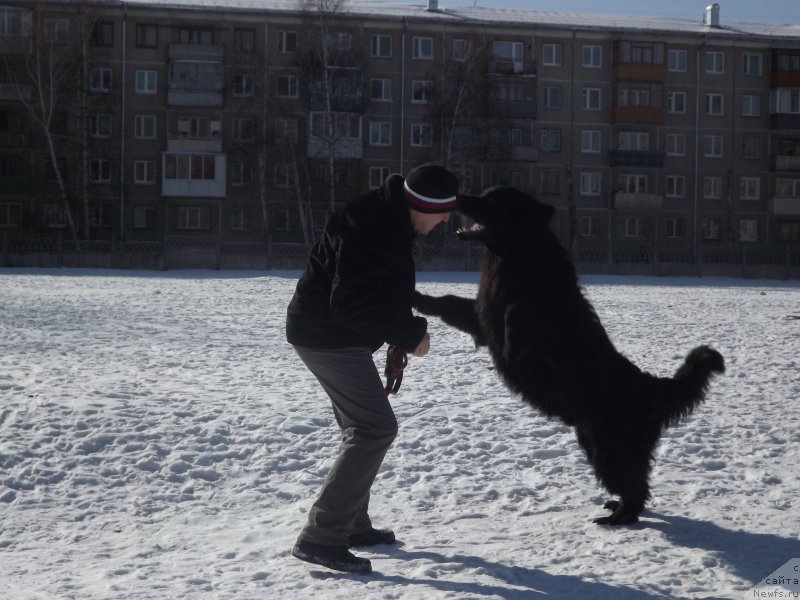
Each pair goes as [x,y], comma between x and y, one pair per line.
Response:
[396,361]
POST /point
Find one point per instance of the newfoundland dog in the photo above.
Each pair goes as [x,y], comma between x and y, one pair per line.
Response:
[549,346]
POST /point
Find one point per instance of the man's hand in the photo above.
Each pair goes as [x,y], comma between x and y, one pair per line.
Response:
[423,347]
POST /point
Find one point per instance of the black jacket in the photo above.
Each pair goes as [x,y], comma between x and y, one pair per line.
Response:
[358,284]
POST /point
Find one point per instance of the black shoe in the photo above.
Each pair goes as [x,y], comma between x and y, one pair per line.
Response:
[338,558]
[371,537]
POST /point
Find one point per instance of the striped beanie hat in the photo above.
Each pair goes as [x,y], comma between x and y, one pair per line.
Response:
[431,188]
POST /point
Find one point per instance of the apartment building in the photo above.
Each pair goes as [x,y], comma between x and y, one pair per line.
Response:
[240,122]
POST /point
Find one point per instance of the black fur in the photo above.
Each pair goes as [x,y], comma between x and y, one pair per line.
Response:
[549,346]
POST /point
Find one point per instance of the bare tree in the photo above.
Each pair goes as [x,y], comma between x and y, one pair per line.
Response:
[50,82]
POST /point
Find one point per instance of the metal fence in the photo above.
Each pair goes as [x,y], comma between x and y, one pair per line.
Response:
[752,261]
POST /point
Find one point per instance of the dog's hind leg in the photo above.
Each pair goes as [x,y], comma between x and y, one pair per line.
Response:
[626,476]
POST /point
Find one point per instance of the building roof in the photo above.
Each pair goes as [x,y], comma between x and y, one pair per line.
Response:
[499,16]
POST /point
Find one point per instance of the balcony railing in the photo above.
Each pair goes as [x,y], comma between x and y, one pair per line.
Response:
[638,201]
[636,158]
[785,163]
[12,91]
[784,121]
[785,206]
[639,114]
[212,53]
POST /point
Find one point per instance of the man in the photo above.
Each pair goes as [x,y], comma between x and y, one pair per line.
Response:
[354,296]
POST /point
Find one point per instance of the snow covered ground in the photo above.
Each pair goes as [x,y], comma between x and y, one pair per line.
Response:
[160,440]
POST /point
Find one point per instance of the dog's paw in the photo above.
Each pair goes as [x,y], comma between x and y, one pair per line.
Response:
[618,516]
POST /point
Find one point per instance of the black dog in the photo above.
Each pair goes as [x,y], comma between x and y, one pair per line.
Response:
[549,345]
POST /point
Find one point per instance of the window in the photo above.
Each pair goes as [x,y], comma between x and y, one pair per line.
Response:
[551,140]
[339,41]
[319,219]
[462,50]
[590,141]
[421,135]
[146,81]
[633,184]
[551,96]
[715,63]
[634,140]
[712,146]
[590,184]
[144,127]
[196,167]
[53,215]
[381,90]
[100,79]
[676,102]
[281,220]
[56,31]
[240,219]
[99,216]
[676,144]
[511,90]
[636,96]
[789,231]
[421,92]
[377,175]
[677,61]
[10,214]
[285,175]
[13,21]
[196,36]
[551,182]
[786,100]
[590,98]
[242,174]
[336,125]
[243,84]
[462,137]
[194,127]
[146,35]
[676,186]
[422,48]
[512,177]
[286,130]
[751,106]
[243,130]
[507,57]
[593,57]
[551,55]
[380,133]
[99,170]
[508,137]
[646,53]
[382,46]
[196,75]
[673,228]
[748,230]
[144,172]
[750,188]
[244,41]
[712,187]
[287,86]
[589,226]
[711,229]
[751,146]
[144,217]
[787,188]
[715,104]
[287,42]
[751,64]
[194,217]
[100,125]
[103,34]
[630,227]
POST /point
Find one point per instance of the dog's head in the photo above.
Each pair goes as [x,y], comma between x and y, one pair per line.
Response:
[503,215]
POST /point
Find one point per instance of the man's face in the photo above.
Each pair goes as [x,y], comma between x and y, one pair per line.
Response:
[423,223]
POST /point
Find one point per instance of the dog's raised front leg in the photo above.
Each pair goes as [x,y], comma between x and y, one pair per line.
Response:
[455,311]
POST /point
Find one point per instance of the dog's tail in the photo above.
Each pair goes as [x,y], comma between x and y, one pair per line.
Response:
[688,387]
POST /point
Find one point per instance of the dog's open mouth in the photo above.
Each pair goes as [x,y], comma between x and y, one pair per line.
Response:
[476,232]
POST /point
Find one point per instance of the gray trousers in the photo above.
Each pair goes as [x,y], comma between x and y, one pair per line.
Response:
[368,425]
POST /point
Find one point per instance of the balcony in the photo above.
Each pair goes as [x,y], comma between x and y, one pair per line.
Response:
[342,148]
[788,207]
[511,67]
[13,140]
[515,153]
[16,184]
[638,201]
[197,176]
[636,158]
[640,72]
[785,79]
[511,109]
[785,163]
[639,114]
[346,91]
[180,143]
[784,121]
